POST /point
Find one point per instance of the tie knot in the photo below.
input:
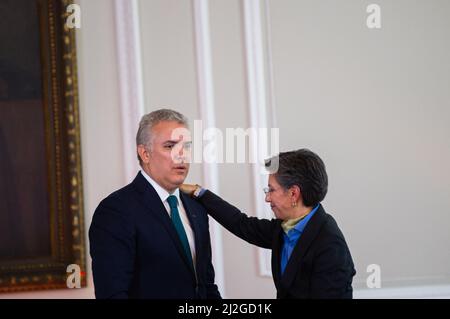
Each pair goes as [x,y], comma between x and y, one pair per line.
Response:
[172,200]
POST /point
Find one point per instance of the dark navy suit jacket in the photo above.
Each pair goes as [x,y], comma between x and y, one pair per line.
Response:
[320,265]
[136,252]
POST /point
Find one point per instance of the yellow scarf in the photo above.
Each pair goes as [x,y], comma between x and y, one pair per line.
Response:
[287,225]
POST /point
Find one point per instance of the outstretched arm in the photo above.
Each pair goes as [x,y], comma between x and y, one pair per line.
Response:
[256,231]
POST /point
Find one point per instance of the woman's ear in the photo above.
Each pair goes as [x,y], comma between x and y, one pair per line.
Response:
[296,193]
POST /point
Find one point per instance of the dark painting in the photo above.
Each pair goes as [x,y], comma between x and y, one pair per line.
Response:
[41,219]
[23,172]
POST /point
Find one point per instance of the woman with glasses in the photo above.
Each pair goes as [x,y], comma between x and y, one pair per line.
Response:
[310,257]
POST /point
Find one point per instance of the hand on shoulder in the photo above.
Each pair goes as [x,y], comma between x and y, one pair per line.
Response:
[189,188]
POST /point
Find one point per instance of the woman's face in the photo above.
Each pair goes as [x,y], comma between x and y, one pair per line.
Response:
[279,199]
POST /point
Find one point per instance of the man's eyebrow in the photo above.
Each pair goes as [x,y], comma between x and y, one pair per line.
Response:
[171,142]
[177,141]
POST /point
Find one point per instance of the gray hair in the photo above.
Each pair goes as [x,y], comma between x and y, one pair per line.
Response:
[148,121]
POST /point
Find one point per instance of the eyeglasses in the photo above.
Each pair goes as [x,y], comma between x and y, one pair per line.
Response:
[268,190]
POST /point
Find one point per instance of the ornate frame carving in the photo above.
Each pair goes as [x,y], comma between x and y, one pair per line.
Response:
[63,154]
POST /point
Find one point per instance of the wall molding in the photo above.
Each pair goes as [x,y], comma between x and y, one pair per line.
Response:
[130,80]
[207,114]
[261,101]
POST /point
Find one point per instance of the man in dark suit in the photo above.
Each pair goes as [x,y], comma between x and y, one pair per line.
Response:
[148,240]
[310,257]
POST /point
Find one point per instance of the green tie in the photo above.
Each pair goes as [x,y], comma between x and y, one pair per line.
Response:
[176,220]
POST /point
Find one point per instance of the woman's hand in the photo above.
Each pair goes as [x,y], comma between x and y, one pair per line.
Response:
[188,188]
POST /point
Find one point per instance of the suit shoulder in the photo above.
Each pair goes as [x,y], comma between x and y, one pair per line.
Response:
[118,199]
[192,203]
[330,229]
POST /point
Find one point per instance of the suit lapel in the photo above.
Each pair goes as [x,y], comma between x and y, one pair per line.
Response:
[276,257]
[309,234]
[192,216]
[150,198]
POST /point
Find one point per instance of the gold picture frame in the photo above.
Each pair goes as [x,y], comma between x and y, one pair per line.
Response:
[41,262]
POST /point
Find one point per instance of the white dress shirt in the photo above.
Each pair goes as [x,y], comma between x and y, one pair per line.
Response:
[163,195]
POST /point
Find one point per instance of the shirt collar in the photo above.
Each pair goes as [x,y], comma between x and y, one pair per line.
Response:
[300,227]
[162,193]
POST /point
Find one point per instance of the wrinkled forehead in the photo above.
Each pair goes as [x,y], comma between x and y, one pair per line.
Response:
[170,131]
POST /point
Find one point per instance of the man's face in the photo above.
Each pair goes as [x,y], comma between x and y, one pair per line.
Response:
[166,160]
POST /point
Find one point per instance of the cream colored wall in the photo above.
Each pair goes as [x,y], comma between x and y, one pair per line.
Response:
[375,105]
[242,278]
[372,103]
[170,79]
[168,60]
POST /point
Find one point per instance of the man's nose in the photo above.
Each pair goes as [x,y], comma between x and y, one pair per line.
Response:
[183,153]
[267,199]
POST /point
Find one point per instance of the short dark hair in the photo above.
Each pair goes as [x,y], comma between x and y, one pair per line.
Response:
[305,169]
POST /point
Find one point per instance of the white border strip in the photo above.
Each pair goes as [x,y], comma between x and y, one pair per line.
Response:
[130,80]
[207,114]
[258,86]
[414,292]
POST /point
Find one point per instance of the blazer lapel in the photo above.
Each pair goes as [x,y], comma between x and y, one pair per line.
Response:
[151,199]
[309,234]
[192,216]
[276,257]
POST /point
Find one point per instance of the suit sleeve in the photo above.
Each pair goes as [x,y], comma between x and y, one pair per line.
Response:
[256,231]
[212,291]
[332,272]
[112,248]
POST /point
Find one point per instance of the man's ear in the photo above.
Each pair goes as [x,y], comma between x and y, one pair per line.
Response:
[143,153]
